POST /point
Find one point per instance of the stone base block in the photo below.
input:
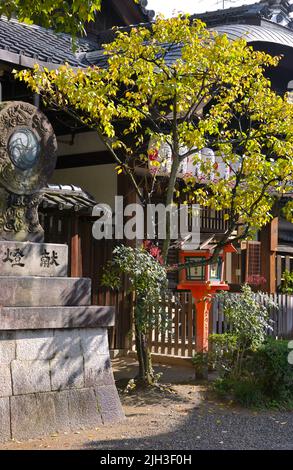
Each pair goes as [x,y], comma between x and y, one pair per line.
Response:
[42,414]
[35,318]
[32,291]
[5,431]
[33,259]
[109,404]
[55,380]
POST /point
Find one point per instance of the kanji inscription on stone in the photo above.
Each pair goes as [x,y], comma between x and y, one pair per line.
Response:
[14,257]
[49,259]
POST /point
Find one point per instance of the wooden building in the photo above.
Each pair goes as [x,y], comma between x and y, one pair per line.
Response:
[267,26]
[85,172]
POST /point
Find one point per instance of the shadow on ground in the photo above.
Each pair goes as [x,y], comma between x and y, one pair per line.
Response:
[184,417]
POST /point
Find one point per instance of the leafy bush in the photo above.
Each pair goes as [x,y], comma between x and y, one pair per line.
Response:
[200,361]
[249,322]
[147,279]
[271,367]
[266,379]
[287,283]
[253,368]
[223,350]
[244,391]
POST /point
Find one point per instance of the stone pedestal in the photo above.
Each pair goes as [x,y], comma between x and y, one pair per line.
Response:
[55,369]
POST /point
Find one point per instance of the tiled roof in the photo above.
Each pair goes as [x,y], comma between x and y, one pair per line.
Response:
[252,33]
[143,6]
[40,44]
[254,9]
[66,197]
[26,44]
[277,11]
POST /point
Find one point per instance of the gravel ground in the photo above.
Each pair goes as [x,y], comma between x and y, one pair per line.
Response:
[180,418]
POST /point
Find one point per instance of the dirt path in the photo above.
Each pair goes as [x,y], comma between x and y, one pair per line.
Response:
[179,419]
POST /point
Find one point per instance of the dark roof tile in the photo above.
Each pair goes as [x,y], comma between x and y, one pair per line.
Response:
[42,44]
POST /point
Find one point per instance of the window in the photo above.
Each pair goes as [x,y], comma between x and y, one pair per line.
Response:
[216,270]
[253,261]
[195,273]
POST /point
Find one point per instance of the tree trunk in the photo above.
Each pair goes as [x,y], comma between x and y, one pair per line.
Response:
[168,202]
[145,370]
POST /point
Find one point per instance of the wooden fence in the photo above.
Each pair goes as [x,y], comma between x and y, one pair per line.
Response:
[180,311]
[282,317]
[179,314]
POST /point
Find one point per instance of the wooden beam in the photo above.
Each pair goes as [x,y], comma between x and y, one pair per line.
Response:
[75,252]
[84,159]
[269,243]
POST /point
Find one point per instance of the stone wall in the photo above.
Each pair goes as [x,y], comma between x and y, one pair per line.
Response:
[55,370]
[55,380]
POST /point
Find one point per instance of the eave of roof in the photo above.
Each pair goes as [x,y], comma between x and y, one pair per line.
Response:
[66,197]
[254,33]
[255,9]
[23,44]
[251,33]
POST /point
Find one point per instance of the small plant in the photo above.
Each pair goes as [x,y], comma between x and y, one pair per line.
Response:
[223,348]
[266,379]
[287,283]
[200,361]
[147,279]
[253,368]
[249,323]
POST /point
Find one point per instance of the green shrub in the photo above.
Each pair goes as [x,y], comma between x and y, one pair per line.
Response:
[249,319]
[245,391]
[287,283]
[200,361]
[223,350]
[275,374]
[266,379]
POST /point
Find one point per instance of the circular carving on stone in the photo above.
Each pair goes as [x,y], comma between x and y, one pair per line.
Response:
[28,148]
[23,148]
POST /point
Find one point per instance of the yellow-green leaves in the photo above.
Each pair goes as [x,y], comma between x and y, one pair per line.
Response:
[60,15]
[179,83]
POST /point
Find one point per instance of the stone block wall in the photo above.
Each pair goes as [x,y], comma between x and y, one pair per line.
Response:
[55,380]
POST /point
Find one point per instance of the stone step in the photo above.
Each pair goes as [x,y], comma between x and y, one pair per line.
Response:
[35,318]
[32,291]
[33,259]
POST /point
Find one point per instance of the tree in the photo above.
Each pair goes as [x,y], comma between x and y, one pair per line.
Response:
[213,94]
[188,89]
[61,15]
[147,282]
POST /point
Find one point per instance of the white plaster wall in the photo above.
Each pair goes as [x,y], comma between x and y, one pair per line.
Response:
[81,143]
[99,180]
[228,273]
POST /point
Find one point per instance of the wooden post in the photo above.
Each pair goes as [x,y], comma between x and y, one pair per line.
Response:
[75,248]
[269,243]
[202,325]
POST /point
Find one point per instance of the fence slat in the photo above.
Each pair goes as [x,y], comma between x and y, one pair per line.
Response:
[181,313]
[169,306]
[189,326]
[176,325]
[282,317]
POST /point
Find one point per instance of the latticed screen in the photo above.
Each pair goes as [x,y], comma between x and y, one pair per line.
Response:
[215,270]
[253,262]
[195,273]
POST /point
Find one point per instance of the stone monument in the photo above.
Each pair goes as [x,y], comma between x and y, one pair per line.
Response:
[55,370]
